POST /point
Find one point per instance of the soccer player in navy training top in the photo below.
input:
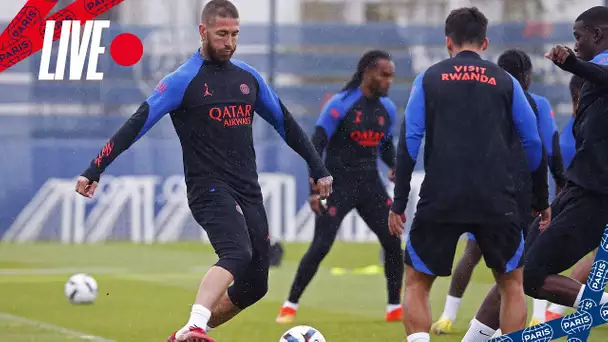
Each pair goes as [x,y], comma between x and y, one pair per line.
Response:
[517,63]
[580,212]
[469,110]
[580,272]
[355,126]
[211,100]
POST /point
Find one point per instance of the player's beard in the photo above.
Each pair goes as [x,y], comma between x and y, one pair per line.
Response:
[214,55]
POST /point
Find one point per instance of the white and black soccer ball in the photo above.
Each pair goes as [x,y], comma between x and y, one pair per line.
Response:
[81,289]
[302,333]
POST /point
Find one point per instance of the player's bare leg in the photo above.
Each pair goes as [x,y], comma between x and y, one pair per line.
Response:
[458,284]
[223,311]
[416,306]
[580,273]
[513,311]
[211,289]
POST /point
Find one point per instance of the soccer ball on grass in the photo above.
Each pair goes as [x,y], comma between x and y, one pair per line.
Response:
[302,333]
[81,289]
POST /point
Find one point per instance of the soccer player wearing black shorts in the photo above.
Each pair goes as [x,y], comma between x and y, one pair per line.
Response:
[580,212]
[470,110]
[211,100]
[517,63]
[580,272]
[355,125]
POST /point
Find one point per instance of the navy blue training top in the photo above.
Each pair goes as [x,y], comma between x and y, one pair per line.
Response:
[589,165]
[354,128]
[468,108]
[212,107]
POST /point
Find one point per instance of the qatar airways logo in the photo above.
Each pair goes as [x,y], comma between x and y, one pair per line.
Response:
[367,138]
[231,116]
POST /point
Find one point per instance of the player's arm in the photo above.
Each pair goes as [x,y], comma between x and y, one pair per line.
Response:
[525,125]
[387,148]
[410,139]
[166,98]
[566,59]
[271,109]
[549,134]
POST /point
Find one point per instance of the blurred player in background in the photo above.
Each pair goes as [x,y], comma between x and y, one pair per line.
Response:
[355,125]
[470,110]
[211,101]
[518,64]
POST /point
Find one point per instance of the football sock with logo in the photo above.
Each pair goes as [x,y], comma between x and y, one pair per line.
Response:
[478,332]
[419,337]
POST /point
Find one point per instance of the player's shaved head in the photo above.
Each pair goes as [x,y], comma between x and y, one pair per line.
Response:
[218,8]
[595,16]
[591,32]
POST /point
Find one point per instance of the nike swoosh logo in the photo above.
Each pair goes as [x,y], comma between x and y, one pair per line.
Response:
[481,332]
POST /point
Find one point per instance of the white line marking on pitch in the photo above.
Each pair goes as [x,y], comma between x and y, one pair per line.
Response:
[51,327]
[59,271]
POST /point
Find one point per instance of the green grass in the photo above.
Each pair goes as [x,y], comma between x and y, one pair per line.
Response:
[145,293]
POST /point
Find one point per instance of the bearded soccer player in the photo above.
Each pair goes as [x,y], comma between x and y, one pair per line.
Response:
[471,112]
[211,100]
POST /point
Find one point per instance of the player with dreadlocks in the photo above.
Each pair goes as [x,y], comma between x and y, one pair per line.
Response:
[517,63]
[355,125]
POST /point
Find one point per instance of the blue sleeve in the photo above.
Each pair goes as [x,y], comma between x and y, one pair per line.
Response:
[391,109]
[410,140]
[166,97]
[525,124]
[332,114]
[546,123]
[415,118]
[267,105]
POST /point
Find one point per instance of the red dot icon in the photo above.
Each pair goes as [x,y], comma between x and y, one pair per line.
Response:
[126,49]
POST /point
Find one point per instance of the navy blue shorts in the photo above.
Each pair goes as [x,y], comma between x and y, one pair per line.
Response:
[431,245]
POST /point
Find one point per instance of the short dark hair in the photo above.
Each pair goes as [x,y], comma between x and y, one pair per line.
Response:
[576,83]
[367,61]
[466,25]
[221,8]
[517,63]
[595,16]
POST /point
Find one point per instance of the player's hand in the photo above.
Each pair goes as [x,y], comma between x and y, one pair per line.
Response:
[323,186]
[391,175]
[315,204]
[545,219]
[558,54]
[85,187]
[396,223]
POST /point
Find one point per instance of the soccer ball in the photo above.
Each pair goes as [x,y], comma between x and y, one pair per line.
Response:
[302,333]
[81,289]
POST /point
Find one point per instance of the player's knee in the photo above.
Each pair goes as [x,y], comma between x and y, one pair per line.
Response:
[533,282]
[244,295]
[236,260]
